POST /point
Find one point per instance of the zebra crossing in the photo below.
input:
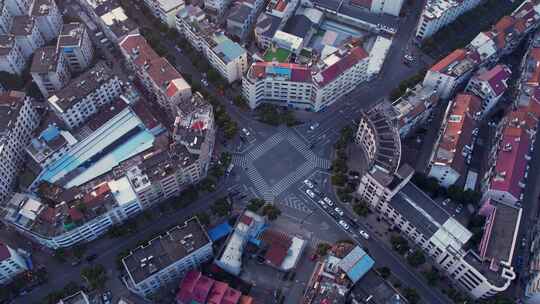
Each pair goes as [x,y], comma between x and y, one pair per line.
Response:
[266,146]
[294,202]
[292,178]
[270,193]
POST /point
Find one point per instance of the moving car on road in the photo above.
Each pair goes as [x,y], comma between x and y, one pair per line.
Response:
[364,234]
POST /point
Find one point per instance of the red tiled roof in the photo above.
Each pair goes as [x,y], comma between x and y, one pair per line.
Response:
[350,59]
[246,219]
[48,215]
[217,293]
[511,163]
[97,195]
[162,72]
[456,55]
[496,78]
[246,300]
[202,289]
[187,286]
[137,46]
[75,214]
[458,132]
[231,296]
[4,252]
[144,114]
[279,244]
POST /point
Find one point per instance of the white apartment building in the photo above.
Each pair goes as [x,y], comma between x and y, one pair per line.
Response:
[51,144]
[490,85]
[74,42]
[311,88]
[12,263]
[454,147]
[414,108]
[18,119]
[389,192]
[160,175]
[216,6]
[48,18]
[83,96]
[390,7]
[79,215]
[224,55]
[157,75]
[447,74]
[439,13]
[49,70]
[227,57]
[165,10]
[12,59]
[167,258]
[27,35]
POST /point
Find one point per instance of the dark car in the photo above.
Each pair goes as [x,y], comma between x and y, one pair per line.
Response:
[91,257]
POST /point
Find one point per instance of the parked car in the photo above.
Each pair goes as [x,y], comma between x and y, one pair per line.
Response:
[364,234]
[91,257]
[445,202]
[344,225]
[310,193]
[339,211]
[245,131]
[459,208]
[308,183]
[328,201]
[314,126]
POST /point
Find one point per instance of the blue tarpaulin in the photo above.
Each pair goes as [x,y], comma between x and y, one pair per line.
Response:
[219,231]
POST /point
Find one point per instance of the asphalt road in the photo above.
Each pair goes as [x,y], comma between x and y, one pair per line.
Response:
[334,118]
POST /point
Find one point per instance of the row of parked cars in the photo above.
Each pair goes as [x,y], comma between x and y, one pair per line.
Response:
[334,211]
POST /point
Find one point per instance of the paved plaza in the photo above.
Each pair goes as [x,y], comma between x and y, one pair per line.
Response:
[279,162]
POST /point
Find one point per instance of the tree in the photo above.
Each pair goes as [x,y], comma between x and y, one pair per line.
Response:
[213,76]
[399,244]
[208,184]
[338,179]
[271,212]
[411,295]
[204,218]
[95,276]
[240,102]
[255,204]
[385,272]
[60,255]
[416,258]
[432,276]
[221,207]
[79,250]
[361,208]
[322,248]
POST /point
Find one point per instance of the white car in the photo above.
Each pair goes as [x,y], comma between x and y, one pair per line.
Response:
[245,131]
[314,126]
[310,193]
[308,183]
[344,225]
[364,234]
[328,201]
[445,202]
[339,211]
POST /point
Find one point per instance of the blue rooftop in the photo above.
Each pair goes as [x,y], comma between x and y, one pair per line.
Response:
[219,231]
[50,133]
[228,48]
[356,264]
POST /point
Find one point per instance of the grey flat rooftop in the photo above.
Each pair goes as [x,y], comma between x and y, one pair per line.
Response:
[71,35]
[502,233]
[164,250]
[298,25]
[419,209]
[10,105]
[357,12]
[22,25]
[42,7]
[239,13]
[45,60]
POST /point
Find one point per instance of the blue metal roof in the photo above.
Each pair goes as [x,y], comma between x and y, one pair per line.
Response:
[360,268]
[219,231]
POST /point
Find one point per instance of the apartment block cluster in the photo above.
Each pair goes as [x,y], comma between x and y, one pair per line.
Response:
[488,269]
[111,19]
[387,189]
[26,26]
[323,70]
[333,278]
[101,151]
